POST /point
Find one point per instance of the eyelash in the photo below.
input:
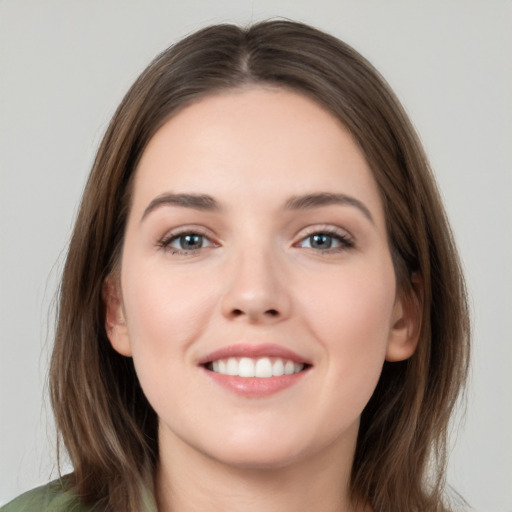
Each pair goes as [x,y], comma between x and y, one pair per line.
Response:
[165,242]
[345,242]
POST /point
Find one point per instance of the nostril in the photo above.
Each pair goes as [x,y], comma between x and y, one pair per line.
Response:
[269,312]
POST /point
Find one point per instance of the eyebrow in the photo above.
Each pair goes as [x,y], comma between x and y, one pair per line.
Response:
[326,199]
[204,202]
[201,202]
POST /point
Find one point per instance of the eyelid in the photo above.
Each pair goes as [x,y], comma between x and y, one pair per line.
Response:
[165,241]
[346,238]
[324,228]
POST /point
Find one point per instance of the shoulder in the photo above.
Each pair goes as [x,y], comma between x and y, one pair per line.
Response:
[53,497]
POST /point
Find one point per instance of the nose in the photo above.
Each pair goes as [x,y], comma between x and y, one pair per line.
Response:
[256,291]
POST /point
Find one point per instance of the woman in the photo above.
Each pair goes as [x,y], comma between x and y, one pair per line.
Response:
[262,305]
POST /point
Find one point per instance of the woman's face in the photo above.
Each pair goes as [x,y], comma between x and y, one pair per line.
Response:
[257,293]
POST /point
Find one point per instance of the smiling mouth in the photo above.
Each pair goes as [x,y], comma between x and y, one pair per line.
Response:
[261,367]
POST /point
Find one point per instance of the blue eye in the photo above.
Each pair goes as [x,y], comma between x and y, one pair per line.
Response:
[184,243]
[320,241]
[326,241]
[188,242]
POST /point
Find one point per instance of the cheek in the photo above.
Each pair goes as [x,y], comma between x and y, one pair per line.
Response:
[165,311]
[352,320]
[165,314]
[357,301]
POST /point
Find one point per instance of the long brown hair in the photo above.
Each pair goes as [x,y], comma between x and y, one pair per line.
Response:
[108,427]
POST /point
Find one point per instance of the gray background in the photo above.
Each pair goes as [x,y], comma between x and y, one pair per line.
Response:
[64,67]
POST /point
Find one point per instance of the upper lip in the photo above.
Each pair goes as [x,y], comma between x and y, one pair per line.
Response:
[253,351]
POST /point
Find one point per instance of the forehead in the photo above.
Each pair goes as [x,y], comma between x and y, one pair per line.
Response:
[254,142]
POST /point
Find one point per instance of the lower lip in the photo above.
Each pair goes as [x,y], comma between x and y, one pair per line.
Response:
[254,387]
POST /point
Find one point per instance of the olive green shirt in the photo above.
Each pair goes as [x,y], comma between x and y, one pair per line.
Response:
[56,497]
[53,497]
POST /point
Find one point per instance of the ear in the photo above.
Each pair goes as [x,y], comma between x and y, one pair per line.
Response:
[115,323]
[406,322]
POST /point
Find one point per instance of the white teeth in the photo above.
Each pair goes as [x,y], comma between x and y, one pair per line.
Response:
[246,367]
[278,368]
[289,368]
[232,366]
[263,367]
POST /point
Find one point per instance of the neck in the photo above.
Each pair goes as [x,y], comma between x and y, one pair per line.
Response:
[190,481]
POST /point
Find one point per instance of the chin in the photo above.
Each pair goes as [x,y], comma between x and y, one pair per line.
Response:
[259,460]
[278,448]
[263,450]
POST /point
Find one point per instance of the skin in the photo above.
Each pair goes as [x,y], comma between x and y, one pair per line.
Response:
[257,279]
